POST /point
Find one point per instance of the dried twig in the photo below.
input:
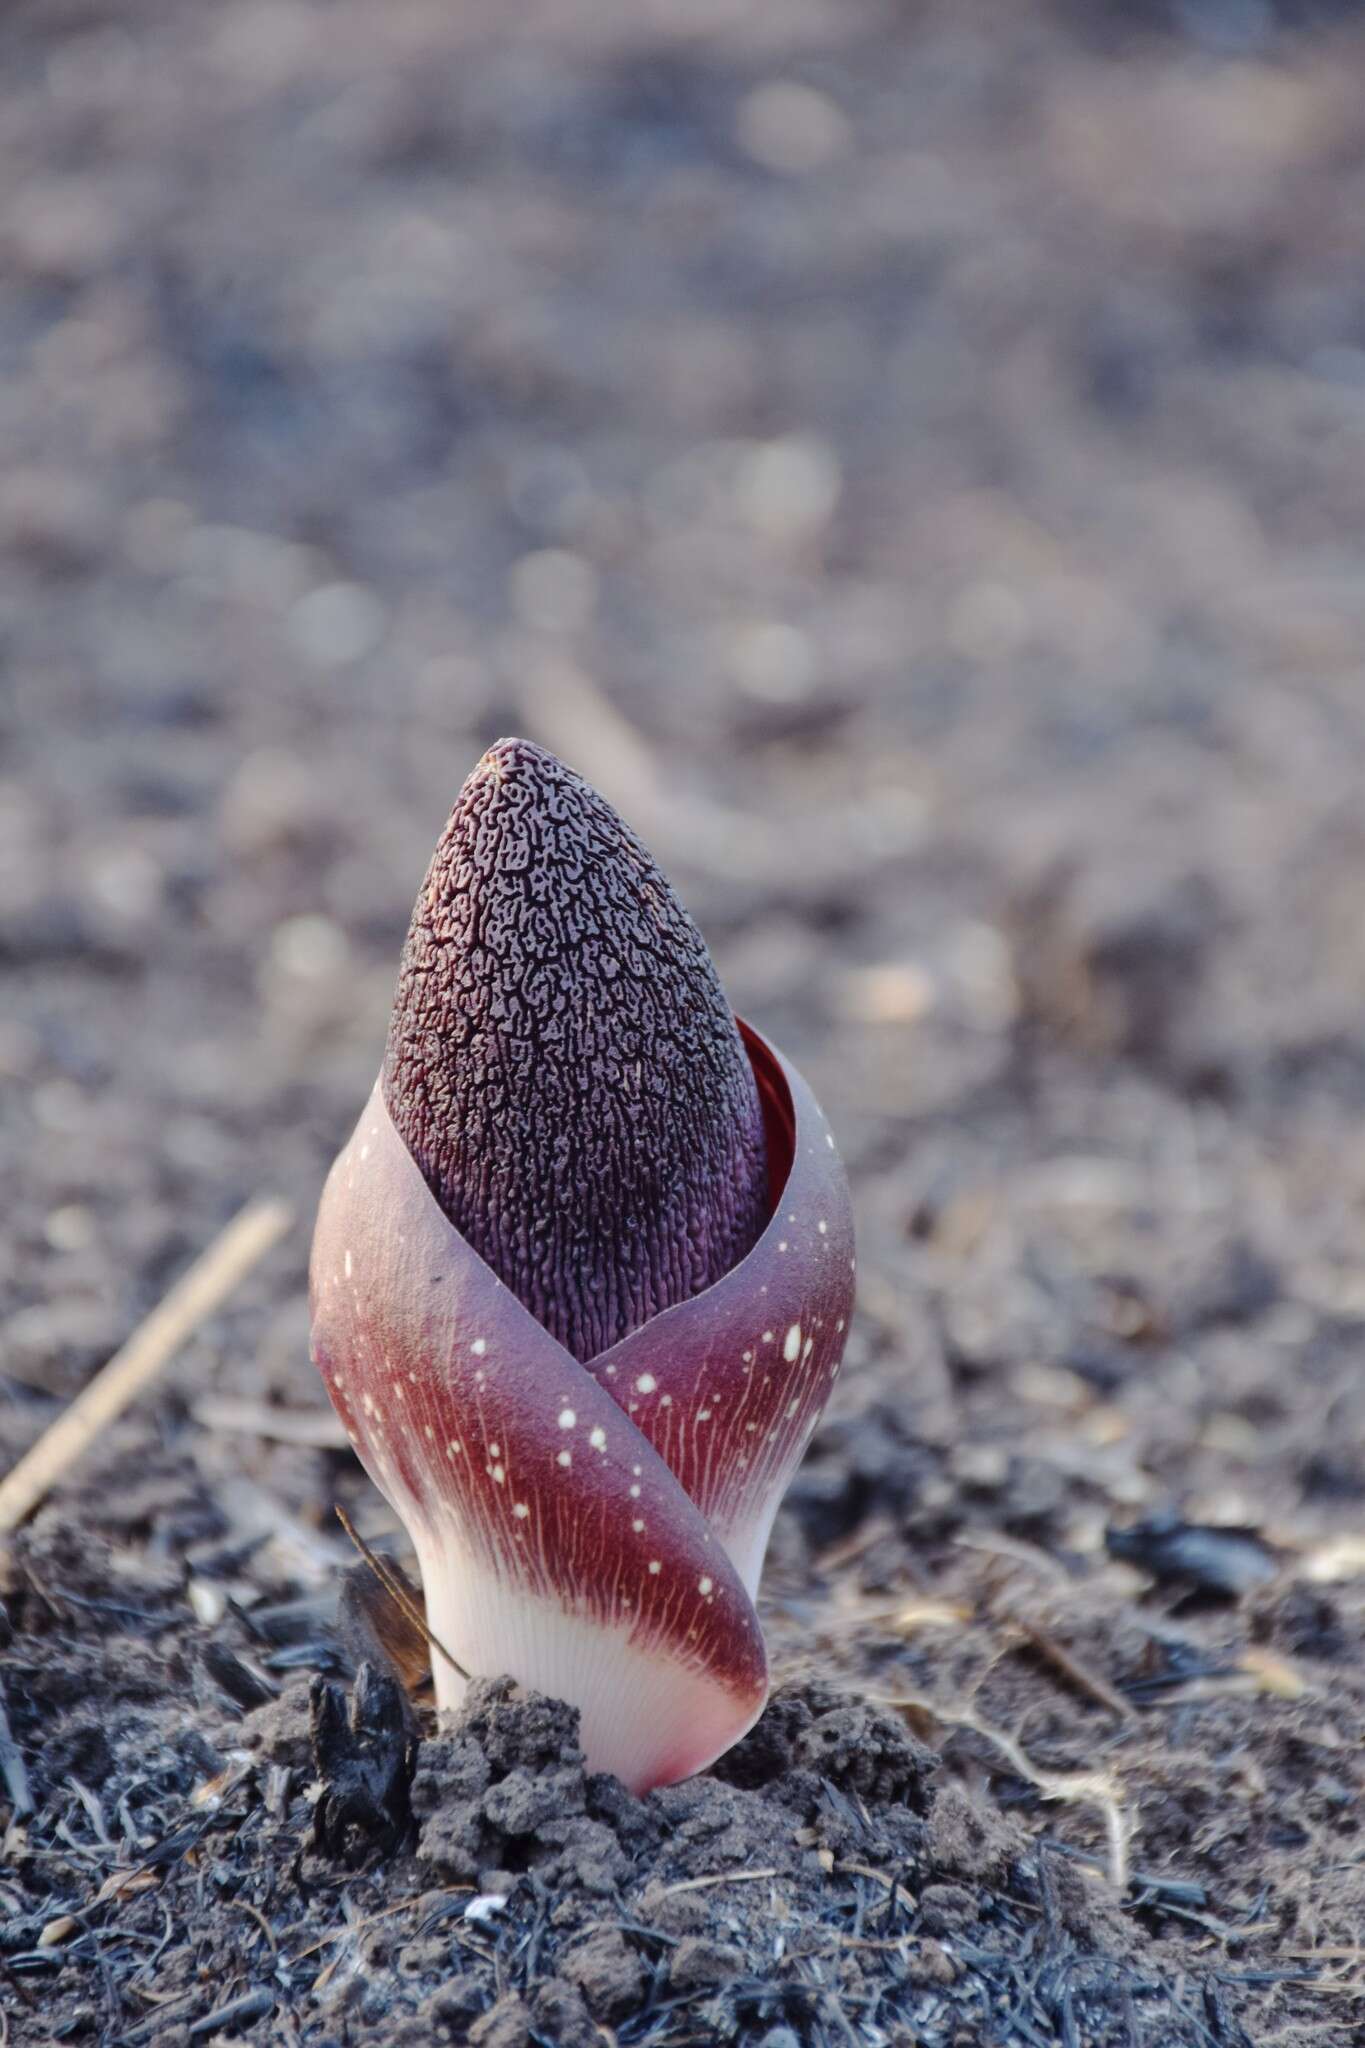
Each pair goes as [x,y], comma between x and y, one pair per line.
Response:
[136,1365]
[696,1884]
[398,1593]
[12,1767]
[1074,1671]
[358,1926]
[897,1890]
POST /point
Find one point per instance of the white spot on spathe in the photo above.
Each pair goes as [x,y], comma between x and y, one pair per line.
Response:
[767,1336]
[567,1418]
[646,1383]
[829,1140]
[598,1439]
[791,1343]
[521,1511]
[499,1474]
[429,1431]
[822,1227]
[665,1400]
[635,1493]
[493,1451]
[782,1244]
[348,1262]
[655,1566]
[703,1415]
[453,1448]
[479,1346]
[637,1526]
[792,1407]
[565,1459]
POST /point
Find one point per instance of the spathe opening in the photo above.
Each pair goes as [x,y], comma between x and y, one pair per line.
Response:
[779,1114]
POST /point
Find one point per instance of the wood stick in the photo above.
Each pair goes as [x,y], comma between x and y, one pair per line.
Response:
[134,1367]
[398,1593]
[12,1767]
[1074,1671]
[696,1884]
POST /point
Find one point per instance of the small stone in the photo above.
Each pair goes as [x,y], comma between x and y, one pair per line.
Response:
[864,1750]
[946,1907]
[559,2014]
[337,625]
[698,1964]
[309,948]
[787,489]
[608,1973]
[967,1839]
[505,2025]
[927,1963]
[523,1803]
[554,591]
[790,128]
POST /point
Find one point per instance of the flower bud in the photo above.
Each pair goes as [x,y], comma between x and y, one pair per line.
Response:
[562,1063]
[581,1279]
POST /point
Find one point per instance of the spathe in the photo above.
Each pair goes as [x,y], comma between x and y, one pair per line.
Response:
[597,1530]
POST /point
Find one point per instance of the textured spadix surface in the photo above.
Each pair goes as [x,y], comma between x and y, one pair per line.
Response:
[581,1278]
[562,1063]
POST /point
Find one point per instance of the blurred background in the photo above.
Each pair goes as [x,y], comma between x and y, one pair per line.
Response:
[911,455]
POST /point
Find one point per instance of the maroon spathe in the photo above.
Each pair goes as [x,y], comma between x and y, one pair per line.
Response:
[633,1494]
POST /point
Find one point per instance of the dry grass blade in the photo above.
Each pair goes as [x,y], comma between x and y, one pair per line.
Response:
[13,1770]
[897,1890]
[398,1593]
[1074,1671]
[1072,1788]
[697,1884]
[133,1368]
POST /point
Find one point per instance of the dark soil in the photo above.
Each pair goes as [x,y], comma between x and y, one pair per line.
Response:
[912,459]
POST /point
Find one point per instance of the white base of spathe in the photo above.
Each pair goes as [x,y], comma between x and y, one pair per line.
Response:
[648,1721]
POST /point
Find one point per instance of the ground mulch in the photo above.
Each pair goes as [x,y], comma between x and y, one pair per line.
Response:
[912,459]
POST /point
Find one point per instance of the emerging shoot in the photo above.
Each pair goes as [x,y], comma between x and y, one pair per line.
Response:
[581,1278]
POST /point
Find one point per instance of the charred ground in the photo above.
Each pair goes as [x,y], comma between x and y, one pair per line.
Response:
[912,460]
